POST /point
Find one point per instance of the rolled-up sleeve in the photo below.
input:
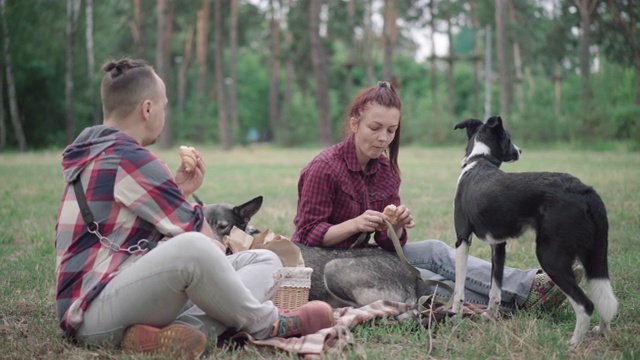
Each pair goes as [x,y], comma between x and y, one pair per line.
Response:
[145,186]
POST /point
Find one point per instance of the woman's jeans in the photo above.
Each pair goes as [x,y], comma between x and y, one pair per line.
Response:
[436,261]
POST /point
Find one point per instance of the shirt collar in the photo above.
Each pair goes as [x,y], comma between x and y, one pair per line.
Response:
[351,158]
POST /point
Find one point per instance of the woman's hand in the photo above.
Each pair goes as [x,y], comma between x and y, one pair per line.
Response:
[370,221]
[404,217]
[190,181]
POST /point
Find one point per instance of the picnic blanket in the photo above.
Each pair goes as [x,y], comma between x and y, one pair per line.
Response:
[333,339]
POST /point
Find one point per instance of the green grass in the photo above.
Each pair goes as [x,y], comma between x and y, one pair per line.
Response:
[31,185]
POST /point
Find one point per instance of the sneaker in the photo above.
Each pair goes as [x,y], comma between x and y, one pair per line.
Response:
[545,295]
[175,341]
[307,319]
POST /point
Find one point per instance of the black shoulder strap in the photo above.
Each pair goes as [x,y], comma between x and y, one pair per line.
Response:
[87,215]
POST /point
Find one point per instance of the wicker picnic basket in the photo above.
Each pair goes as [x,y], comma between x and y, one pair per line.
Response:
[295,283]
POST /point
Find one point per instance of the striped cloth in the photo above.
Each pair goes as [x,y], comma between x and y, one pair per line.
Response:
[334,339]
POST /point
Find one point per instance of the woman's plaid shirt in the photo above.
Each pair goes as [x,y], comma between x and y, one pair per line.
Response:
[333,188]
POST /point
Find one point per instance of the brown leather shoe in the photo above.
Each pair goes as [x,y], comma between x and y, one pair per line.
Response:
[175,341]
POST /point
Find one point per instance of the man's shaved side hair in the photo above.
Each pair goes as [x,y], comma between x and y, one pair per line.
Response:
[125,85]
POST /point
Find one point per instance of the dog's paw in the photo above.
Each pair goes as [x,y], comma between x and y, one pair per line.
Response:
[491,312]
[596,330]
[456,307]
[573,343]
[601,330]
[490,316]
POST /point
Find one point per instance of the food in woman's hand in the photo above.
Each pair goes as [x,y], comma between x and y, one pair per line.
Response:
[189,156]
[390,211]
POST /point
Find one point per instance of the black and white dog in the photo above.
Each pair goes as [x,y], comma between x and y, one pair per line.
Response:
[569,219]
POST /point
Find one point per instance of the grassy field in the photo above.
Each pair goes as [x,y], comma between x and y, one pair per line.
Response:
[31,185]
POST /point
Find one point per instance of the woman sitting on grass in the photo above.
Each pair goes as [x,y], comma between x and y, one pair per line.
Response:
[343,191]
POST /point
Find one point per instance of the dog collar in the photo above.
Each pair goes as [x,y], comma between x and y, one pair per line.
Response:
[493,160]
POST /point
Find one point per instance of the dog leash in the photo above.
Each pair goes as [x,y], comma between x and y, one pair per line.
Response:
[427,299]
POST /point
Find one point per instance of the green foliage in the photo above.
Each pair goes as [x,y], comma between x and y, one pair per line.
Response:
[424,126]
[627,123]
[546,37]
[616,29]
[298,122]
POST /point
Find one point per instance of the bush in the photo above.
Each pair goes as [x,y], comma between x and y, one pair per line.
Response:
[626,121]
[298,122]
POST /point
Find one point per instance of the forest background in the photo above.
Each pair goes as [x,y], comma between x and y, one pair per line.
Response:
[284,71]
[562,73]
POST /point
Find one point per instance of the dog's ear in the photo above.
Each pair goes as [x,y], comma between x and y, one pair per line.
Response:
[494,121]
[249,209]
[471,125]
[197,199]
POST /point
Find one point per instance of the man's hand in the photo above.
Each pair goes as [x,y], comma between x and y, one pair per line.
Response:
[190,181]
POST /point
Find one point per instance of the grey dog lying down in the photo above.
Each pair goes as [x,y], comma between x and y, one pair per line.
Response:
[357,277]
[346,277]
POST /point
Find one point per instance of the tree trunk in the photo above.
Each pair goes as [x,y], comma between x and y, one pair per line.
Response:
[11,86]
[503,64]
[351,58]
[369,44]
[136,28]
[637,63]
[182,72]
[290,69]
[91,62]
[585,8]
[451,59]
[531,81]
[557,83]
[233,51]
[476,58]
[202,28]
[629,25]
[320,72]
[390,35]
[488,72]
[163,36]
[433,62]
[223,121]
[3,128]
[274,71]
[517,61]
[73,10]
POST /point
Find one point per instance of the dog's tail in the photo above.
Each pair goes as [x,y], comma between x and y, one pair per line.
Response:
[595,260]
[595,263]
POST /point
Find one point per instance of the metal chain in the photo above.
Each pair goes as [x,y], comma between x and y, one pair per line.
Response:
[133,249]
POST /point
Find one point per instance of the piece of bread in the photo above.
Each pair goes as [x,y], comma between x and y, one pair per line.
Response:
[390,211]
[189,156]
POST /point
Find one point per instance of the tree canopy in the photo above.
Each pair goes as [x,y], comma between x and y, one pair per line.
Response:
[284,71]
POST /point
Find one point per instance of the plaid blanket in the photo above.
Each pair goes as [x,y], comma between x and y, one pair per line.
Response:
[333,339]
